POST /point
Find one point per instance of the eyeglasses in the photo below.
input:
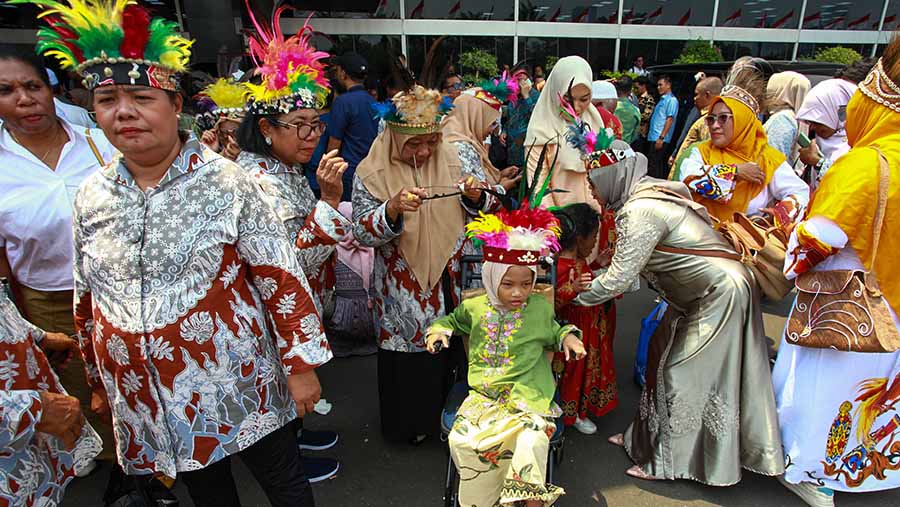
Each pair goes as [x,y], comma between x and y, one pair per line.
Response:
[721,119]
[304,130]
[456,86]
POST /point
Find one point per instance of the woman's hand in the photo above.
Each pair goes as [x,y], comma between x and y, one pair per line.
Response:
[210,139]
[433,339]
[330,177]
[231,150]
[406,200]
[750,172]
[471,188]
[584,282]
[509,177]
[61,417]
[810,154]
[58,348]
[305,390]
[573,348]
[100,405]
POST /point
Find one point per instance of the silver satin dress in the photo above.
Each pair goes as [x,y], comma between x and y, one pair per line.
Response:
[708,409]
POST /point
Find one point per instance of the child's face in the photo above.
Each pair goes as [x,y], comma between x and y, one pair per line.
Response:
[587,243]
[515,286]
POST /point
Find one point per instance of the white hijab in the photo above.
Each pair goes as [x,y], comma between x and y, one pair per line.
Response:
[821,105]
[546,126]
[491,276]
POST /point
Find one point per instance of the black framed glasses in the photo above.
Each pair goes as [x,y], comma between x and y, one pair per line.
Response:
[304,130]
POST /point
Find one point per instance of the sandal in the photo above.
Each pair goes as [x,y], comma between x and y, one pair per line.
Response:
[617,439]
[638,473]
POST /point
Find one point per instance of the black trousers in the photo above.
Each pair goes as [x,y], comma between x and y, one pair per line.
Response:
[275,463]
[657,160]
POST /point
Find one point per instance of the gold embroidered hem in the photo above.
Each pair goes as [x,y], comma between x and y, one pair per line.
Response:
[501,454]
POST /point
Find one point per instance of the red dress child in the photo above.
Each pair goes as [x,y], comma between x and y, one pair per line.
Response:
[588,386]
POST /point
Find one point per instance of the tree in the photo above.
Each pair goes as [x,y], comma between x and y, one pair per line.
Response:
[551,61]
[699,51]
[837,54]
[477,64]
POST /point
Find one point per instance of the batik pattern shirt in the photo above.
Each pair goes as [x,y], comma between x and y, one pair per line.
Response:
[646,103]
[403,310]
[35,467]
[191,308]
[313,225]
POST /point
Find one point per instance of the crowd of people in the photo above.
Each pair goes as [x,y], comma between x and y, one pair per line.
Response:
[173,280]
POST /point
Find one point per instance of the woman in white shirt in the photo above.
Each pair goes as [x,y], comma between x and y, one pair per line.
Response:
[44,160]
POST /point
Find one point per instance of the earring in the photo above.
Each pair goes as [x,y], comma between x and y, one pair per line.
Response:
[269,141]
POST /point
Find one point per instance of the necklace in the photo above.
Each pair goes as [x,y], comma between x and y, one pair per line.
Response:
[42,158]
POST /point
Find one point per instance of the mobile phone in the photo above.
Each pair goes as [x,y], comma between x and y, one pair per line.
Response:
[803,140]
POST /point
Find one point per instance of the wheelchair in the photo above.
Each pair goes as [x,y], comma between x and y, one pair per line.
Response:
[460,390]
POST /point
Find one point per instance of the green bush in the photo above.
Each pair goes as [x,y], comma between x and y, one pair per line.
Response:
[837,54]
[699,51]
[477,65]
[613,74]
[551,61]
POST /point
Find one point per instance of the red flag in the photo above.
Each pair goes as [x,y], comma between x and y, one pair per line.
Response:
[556,14]
[736,15]
[614,17]
[628,16]
[762,21]
[381,4]
[418,10]
[583,16]
[655,14]
[890,19]
[684,19]
[456,7]
[859,21]
[812,17]
[782,20]
[834,22]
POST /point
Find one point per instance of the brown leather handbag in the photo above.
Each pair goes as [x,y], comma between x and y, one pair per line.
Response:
[844,309]
[763,247]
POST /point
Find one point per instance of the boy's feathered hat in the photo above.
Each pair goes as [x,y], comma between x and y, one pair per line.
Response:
[225,98]
[525,236]
[112,42]
[417,111]
[497,92]
[292,70]
[594,146]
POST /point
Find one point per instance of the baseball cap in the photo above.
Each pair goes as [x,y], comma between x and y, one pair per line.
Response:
[353,63]
[602,90]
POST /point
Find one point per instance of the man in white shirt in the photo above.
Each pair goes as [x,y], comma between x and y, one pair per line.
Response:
[73,114]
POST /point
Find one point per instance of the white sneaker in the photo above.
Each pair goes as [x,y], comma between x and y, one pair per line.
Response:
[585,426]
[814,496]
[86,469]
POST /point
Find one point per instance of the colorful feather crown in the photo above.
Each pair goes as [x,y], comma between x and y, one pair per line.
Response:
[293,72]
[580,136]
[112,42]
[228,98]
[525,236]
[416,111]
[496,92]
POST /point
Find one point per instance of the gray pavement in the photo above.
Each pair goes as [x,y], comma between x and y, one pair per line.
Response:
[377,474]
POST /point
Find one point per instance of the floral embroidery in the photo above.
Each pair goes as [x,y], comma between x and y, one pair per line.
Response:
[197,328]
[500,328]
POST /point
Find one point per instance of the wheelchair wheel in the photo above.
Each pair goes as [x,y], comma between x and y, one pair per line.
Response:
[558,454]
[451,489]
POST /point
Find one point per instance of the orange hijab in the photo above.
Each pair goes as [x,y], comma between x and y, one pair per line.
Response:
[848,192]
[750,144]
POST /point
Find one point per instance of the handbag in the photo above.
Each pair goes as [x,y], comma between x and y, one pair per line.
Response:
[762,247]
[844,309]
[648,327]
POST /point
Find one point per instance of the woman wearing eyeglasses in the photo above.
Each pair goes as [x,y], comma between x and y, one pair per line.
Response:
[737,170]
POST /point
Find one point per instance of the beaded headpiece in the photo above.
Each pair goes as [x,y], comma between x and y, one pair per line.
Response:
[525,236]
[226,98]
[879,87]
[293,72]
[742,95]
[112,42]
[746,83]
[594,147]
[416,111]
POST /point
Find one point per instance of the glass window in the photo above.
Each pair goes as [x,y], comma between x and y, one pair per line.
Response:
[677,12]
[760,13]
[655,52]
[807,51]
[446,56]
[843,14]
[352,9]
[502,10]
[767,50]
[569,11]
[538,50]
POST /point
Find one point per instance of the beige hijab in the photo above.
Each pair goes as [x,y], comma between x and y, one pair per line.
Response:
[547,126]
[491,275]
[786,90]
[430,233]
[465,123]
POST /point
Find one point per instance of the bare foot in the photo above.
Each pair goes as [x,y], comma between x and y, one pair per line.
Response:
[617,439]
[638,473]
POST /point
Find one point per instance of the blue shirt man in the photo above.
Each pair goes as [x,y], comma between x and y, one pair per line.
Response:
[662,122]
[352,127]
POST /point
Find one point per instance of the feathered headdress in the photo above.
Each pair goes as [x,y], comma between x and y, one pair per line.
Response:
[417,111]
[525,236]
[112,42]
[497,92]
[593,146]
[293,72]
[228,99]
[747,84]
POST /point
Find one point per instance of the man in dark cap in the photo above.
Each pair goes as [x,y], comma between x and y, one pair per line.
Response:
[352,126]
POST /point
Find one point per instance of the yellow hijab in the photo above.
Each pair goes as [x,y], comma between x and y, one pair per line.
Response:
[848,192]
[749,144]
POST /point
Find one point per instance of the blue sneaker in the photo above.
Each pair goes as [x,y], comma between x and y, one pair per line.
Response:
[311,440]
[319,469]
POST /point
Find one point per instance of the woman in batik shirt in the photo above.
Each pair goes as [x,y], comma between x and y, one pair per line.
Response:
[195,320]
[407,204]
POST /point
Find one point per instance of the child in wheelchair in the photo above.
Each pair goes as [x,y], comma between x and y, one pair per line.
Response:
[500,439]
